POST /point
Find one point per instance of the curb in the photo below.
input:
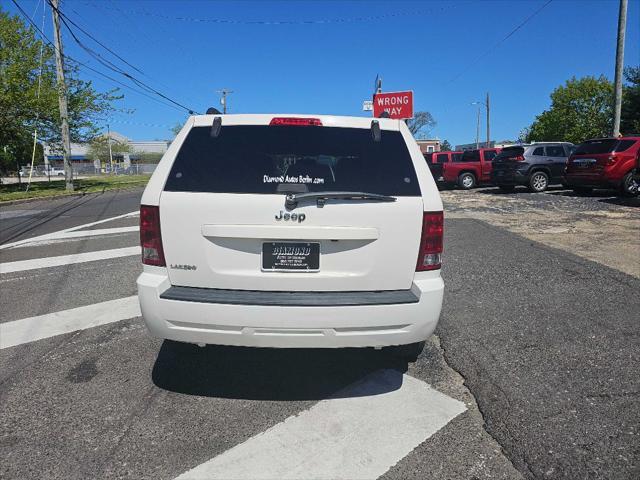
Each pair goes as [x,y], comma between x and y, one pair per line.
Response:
[7,203]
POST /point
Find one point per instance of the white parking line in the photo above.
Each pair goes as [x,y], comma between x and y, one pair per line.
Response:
[44,326]
[360,434]
[63,233]
[58,261]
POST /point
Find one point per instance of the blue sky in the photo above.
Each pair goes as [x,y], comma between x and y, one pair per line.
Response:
[323,57]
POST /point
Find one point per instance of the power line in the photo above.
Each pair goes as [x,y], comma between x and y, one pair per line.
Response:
[105,63]
[522,24]
[108,64]
[141,124]
[95,39]
[108,12]
[84,65]
[362,19]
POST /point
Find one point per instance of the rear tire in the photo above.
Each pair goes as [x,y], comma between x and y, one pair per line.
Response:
[538,182]
[507,188]
[629,186]
[467,181]
[409,352]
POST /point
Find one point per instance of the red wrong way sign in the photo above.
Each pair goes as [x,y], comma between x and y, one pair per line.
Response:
[397,104]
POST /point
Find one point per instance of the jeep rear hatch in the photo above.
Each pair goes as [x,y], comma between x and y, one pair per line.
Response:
[225,221]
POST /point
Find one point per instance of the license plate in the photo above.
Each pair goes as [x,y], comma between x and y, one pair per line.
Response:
[291,256]
[584,162]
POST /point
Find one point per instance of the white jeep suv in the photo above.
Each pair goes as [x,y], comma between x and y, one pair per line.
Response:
[292,231]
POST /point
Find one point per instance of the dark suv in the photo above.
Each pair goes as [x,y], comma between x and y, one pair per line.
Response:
[536,166]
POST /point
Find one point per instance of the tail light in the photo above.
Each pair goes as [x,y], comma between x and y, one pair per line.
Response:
[430,253]
[295,122]
[150,238]
[518,158]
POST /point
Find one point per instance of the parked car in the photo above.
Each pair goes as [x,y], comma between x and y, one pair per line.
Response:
[271,231]
[536,166]
[635,186]
[604,163]
[437,160]
[471,168]
[53,171]
[24,172]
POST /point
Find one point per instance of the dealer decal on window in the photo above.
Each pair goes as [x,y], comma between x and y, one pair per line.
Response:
[293,179]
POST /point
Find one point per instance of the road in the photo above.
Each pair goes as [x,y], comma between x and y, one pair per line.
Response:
[532,372]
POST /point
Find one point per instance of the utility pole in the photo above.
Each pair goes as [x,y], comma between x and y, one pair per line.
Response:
[223,101]
[488,122]
[110,153]
[622,25]
[62,99]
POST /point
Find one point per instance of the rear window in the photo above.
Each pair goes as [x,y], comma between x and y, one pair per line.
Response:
[606,145]
[510,152]
[489,155]
[469,156]
[624,145]
[276,159]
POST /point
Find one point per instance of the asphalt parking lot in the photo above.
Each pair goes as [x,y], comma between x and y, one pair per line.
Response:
[532,372]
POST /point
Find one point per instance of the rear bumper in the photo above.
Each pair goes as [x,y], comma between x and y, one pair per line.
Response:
[591,180]
[292,326]
[509,177]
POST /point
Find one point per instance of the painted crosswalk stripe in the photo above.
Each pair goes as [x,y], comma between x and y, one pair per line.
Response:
[66,233]
[359,434]
[61,260]
[82,234]
[30,329]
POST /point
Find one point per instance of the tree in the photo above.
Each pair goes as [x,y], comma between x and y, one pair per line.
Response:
[524,135]
[21,111]
[148,157]
[421,124]
[445,146]
[99,149]
[580,109]
[630,118]
[176,129]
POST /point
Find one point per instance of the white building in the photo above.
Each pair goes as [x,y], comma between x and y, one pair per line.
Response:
[80,151]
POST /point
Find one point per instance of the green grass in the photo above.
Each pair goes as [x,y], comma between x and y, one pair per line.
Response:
[84,185]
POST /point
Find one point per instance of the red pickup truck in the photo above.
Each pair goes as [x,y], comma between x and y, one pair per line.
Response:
[471,168]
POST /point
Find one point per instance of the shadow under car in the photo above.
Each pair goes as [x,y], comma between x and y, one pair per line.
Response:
[270,373]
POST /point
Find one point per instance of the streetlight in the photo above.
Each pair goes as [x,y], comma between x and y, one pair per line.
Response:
[487,106]
[478,124]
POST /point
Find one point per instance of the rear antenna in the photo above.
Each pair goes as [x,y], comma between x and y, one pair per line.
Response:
[216,127]
[213,111]
[376,133]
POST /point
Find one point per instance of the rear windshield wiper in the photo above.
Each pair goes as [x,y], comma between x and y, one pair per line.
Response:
[322,197]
